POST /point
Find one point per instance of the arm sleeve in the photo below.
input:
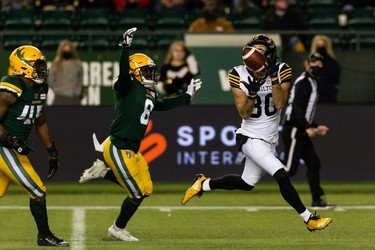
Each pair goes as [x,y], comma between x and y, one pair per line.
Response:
[302,94]
[123,84]
[171,102]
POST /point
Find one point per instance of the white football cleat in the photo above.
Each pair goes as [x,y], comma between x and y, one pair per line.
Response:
[93,172]
[121,234]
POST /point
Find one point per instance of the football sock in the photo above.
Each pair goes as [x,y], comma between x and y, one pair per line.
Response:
[288,192]
[206,185]
[230,182]
[305,215]
[39,211]
[128,208]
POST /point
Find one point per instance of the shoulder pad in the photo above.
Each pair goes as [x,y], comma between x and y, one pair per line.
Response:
[12,84]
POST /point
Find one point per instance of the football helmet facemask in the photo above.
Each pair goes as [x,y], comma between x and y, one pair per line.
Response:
[270,45]
[28,61]
[143,69]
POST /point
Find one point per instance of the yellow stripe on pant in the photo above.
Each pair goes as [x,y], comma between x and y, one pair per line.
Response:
[18,169]
[131,170]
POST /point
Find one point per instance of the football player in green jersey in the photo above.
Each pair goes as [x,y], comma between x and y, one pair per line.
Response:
[135,98]
[22,98]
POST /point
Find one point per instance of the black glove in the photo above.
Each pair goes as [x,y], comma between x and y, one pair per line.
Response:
[53,163]
[21,146]
[53,167]
[272,71]
[253,86]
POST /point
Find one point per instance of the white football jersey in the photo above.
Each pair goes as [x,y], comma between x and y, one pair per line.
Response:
[265,118]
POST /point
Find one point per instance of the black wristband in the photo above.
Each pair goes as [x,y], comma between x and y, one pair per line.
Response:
[252,97]
[52,151]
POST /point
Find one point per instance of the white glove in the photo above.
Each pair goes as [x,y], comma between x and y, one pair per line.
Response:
[193,87]
[128,37]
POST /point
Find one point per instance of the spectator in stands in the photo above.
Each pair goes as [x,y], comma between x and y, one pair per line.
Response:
[7,5]
[350,5]
[331,72]
[243,7]
[47,5]
[281,18]
[211,21]
[162,5]
[66,75]
[130,4]
[179,68]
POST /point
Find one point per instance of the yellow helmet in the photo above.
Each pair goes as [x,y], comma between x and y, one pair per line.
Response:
[142,68]
[28,61]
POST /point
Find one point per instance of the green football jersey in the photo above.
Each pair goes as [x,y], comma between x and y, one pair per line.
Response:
[133,106]
[21,115]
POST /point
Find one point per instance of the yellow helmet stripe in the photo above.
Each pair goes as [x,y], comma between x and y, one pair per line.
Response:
[10,87]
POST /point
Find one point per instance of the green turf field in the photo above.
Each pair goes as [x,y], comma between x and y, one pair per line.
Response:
[81,214]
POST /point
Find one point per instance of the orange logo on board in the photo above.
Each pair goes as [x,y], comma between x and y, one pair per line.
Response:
[153,145]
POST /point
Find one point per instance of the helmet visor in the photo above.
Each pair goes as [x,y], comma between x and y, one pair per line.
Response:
[148,73]
[40,70]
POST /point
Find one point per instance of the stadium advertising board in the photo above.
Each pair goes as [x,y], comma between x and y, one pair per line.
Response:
[187,140]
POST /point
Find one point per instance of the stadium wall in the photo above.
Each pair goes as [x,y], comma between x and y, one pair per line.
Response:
[194,139]
[356,85]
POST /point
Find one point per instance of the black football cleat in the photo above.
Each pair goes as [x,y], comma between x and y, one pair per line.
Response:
[51,241]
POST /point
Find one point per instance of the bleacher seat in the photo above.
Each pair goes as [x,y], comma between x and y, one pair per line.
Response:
[250,23]
[163,40]
[364,42]
[93,41]
[324,23]
[171,20]
[22,19]
[57,20]
[51,42]
[361,23]
[12,41]
[133,18]
[96,19]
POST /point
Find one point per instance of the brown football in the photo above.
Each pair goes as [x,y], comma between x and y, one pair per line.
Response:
[253,58]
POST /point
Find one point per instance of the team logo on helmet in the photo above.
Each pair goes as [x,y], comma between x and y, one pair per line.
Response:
[29,62]
[142,68]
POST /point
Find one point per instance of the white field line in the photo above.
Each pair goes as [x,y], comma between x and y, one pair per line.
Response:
[79,229]
[170,208]
[79,215]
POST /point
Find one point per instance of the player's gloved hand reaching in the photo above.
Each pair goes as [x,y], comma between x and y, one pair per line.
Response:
[53,164]
[193,87]
[253,86]
[272,72]
[128,37]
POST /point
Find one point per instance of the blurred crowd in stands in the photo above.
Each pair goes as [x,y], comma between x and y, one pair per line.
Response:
[240,7]
[182,16]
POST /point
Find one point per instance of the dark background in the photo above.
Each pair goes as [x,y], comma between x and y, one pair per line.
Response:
[347,152]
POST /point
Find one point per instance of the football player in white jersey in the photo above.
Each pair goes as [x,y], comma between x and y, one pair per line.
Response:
[259,98]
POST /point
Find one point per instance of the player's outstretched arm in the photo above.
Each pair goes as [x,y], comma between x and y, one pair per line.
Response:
[172,102]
